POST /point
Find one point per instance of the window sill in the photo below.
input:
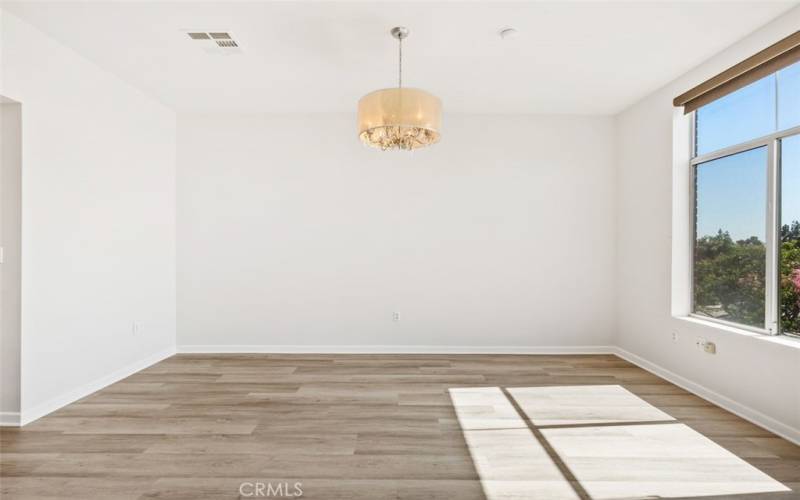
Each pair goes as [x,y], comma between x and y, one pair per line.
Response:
[785,340]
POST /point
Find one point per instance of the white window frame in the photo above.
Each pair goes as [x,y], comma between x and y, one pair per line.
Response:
[772,220]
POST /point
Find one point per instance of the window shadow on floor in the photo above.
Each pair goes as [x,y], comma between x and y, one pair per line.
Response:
[596,442]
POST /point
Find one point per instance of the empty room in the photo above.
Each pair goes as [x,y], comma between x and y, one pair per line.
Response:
[406,250]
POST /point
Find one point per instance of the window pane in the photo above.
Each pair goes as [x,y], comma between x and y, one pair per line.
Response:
[790,235]
[789,97]
[738,117]
[730,253]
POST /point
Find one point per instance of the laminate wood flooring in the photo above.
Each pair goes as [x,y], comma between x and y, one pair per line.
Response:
[394,427]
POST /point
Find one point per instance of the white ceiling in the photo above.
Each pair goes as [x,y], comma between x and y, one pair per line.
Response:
[569,57]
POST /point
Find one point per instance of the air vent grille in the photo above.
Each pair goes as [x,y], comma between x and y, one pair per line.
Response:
[220,39]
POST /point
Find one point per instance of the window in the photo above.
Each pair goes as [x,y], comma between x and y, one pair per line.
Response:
[790,236]
[745,114]
[730,250]
[789,102]
[746,170]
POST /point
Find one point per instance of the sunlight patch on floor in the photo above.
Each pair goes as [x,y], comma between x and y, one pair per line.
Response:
[508,458]
[601,442]
[584,404]
[665,460]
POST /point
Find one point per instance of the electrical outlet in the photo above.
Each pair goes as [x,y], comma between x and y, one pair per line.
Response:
[699,342]
[674,336]
[135,327]
[710,347]
[395,316]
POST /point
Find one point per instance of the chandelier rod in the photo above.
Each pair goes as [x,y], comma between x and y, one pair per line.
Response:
[400,63]
[399,32]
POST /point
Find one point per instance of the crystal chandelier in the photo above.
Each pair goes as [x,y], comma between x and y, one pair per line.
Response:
[399,118]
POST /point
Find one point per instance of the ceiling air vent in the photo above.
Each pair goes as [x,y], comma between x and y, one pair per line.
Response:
[219,42]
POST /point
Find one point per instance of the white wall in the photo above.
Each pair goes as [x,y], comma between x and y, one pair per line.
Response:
[98,220]
[756,376]
[291,233]
[10,268]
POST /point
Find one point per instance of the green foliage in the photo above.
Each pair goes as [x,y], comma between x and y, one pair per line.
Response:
[790,277]
[729,278]
[790,232]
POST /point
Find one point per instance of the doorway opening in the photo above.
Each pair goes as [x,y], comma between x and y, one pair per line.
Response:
[10,259]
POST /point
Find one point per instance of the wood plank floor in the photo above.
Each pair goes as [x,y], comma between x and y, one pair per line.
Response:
[395,427]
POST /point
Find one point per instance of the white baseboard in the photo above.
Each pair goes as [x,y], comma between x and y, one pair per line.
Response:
[42,409]
[9,419]
[785,431]
[391,349]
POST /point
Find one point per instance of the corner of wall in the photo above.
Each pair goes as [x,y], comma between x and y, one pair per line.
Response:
[615,155]
[83,304]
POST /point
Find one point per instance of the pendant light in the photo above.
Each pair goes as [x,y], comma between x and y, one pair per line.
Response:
[399,118]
